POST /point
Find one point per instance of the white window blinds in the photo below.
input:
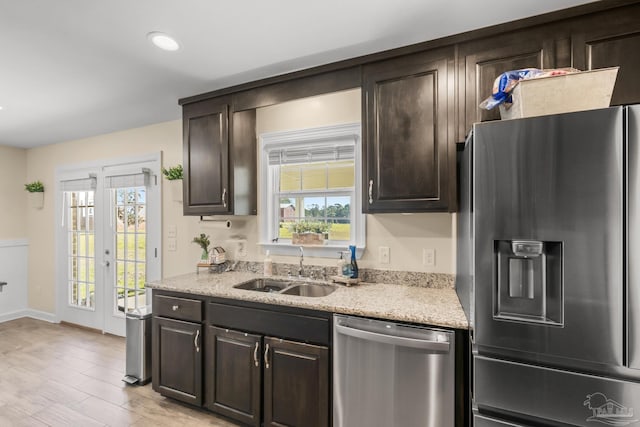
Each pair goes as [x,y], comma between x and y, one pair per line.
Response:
[79,184]
[125,179]
[310,154]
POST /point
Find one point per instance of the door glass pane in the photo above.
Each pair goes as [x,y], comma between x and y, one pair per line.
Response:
[80,220]
[129,205]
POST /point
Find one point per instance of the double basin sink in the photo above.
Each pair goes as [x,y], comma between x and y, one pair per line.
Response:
[287,287]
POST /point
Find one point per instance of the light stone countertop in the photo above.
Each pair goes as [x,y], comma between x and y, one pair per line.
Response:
[429,306]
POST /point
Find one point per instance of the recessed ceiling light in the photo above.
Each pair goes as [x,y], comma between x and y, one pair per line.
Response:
[163,41]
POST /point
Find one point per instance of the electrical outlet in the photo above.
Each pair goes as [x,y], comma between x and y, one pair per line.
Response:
[172,231]
[241,249]
[383,255]
[429,257]
[172,244]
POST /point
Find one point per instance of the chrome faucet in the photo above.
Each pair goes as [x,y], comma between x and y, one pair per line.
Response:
[301,269]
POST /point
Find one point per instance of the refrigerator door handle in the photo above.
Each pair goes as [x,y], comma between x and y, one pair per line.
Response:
[440,346]
[632,279]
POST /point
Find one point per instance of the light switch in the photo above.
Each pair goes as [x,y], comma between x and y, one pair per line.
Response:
[172,231]
[172,244]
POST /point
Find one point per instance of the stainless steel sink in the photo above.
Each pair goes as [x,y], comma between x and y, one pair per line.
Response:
[302,289]
[263,285]
[309,290]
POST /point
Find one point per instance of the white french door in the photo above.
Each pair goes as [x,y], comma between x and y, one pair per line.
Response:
[109,242]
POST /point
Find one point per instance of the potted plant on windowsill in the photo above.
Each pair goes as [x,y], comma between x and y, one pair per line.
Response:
[309,232]
[174,176]
[36,194]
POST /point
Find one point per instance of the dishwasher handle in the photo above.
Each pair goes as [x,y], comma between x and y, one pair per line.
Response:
[440,346]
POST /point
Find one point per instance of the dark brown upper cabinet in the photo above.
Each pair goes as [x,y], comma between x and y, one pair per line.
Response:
[418,101]
[481,61]
[408,157]
[610,39]
[206,158]
[219,159]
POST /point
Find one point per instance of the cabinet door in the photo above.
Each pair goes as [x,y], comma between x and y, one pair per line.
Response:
[610,39]
[409,164]
[244,161]
[177,359]
[296,384]
[206,158]
[484,60]
[233,363]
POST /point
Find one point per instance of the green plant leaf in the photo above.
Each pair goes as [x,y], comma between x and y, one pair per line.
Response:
[203,241]
[34,187]
[310,227]
[173,173]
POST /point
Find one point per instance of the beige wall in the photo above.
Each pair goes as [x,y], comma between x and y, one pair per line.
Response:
[13,197]
[42,163]
[405,235]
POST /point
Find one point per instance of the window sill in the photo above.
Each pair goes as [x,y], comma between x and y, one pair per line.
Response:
[316,251]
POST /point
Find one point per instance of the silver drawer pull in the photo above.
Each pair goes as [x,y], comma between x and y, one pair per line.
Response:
[266,356]
[195,341]
[175,307]
[224,197]
[256,361]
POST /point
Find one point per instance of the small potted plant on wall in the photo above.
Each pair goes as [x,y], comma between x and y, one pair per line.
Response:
[36,194]
[174,175]
[309,232]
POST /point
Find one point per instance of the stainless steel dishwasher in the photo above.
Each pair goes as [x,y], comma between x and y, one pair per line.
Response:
[389,374]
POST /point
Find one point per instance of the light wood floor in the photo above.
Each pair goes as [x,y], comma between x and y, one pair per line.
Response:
[57,375]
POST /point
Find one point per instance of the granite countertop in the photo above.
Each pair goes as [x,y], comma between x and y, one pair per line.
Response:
[416,304]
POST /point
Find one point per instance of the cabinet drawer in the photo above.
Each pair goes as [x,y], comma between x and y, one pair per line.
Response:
[177,308]
[282,325]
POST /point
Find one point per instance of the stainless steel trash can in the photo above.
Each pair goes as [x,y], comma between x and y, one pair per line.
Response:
[138,346]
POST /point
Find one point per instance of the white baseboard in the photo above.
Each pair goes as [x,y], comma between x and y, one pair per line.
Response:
[34,314]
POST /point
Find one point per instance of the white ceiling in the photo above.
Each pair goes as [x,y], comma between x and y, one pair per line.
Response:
[76,68]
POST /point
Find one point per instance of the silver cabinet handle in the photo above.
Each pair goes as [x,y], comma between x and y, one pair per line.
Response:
[175,307]
[370,191]
[255,355]
[224,197]
[266,356]
[442,346]
[195,341]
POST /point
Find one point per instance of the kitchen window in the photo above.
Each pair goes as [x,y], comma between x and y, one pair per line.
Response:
[310,179]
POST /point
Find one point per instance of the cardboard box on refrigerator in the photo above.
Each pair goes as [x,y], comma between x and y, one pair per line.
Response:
[585,90]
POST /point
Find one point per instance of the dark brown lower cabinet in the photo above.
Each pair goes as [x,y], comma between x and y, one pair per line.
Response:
[233,383]
[177,344]
[295,389]
[296,384]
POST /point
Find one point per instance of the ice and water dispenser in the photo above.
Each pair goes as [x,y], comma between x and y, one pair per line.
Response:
[529,281]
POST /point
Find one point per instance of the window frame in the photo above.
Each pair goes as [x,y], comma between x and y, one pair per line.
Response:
[342,134]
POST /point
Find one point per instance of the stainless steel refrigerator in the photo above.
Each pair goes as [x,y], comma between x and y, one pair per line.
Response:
[549,268]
